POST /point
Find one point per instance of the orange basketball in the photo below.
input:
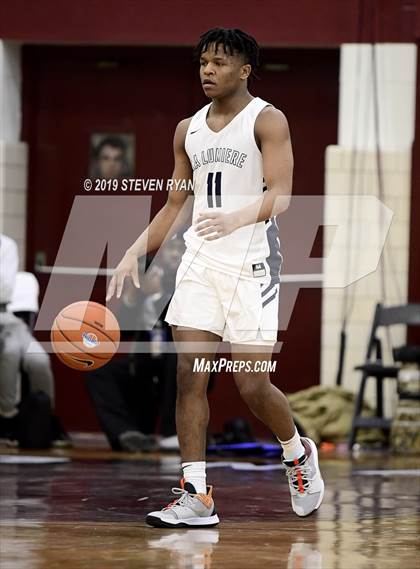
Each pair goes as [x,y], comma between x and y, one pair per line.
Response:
[85,335]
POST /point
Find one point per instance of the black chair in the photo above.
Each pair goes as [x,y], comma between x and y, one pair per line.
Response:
[408,314]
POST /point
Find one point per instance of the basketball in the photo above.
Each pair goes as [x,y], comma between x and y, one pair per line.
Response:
[85,335]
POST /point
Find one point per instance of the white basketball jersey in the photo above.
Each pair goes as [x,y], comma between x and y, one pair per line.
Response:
[227,176]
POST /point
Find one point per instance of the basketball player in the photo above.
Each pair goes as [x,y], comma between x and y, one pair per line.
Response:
[237,150]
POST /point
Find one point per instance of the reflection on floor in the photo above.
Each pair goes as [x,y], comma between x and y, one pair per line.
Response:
[88,509]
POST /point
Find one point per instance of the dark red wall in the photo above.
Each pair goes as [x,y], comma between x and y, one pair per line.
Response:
[69,93]
[165,22]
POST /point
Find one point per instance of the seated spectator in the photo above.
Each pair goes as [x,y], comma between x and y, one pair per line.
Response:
[18,306]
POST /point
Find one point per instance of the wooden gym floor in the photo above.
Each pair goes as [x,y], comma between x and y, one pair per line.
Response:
[88,512]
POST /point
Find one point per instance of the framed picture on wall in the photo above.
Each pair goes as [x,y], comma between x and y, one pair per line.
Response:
[111,156]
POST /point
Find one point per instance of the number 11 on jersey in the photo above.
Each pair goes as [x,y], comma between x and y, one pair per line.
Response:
[214,189]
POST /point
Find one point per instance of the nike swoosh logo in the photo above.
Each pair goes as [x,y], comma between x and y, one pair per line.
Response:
[86,363]
[194,131]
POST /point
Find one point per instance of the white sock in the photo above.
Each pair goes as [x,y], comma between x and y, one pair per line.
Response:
[195,474]
[293,448]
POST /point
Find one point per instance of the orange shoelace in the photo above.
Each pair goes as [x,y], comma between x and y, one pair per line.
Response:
[205,499]
[301,488]
[299,475]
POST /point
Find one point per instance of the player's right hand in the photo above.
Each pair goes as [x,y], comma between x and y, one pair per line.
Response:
[127,267]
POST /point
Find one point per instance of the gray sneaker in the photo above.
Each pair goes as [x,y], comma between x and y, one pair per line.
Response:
[135,441]
[305,480]
[189,510]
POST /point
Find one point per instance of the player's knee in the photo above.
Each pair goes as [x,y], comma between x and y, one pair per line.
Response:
[189,382]
[251,386]
[193,386]
[185,365]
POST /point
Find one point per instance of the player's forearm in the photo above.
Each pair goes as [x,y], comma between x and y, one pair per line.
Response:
[271,203]
[156,233]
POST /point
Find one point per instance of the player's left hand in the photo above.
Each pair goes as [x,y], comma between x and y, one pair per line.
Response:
[213,225]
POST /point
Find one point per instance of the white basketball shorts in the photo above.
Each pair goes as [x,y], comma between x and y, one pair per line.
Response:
[240,311]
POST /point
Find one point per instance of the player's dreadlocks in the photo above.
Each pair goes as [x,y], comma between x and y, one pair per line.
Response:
[232,40]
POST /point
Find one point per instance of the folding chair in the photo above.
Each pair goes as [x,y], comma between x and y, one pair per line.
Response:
[408,314]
